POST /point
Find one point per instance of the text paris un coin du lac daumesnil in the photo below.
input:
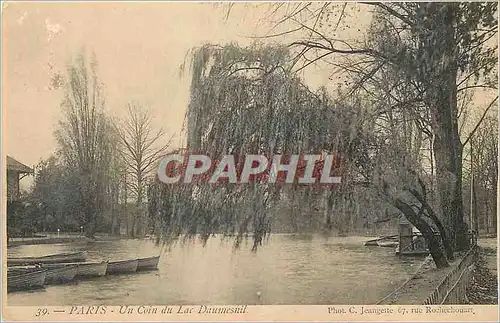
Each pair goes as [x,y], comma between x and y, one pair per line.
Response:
[148,310]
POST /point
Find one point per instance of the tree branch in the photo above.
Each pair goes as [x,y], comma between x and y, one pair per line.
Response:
[480,121]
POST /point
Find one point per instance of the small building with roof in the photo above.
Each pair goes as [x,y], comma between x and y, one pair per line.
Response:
[15,172]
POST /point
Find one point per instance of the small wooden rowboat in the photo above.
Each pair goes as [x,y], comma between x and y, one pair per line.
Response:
[122,267]
[23,269]
[390,244]
[54,273]
[28,280]
[148,263]
[85,269]
[61,275]
[379,242]
[50,259]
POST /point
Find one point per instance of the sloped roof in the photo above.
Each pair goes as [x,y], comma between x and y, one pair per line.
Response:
[15,165]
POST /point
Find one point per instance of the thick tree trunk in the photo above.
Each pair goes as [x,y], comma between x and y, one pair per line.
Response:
[439,74]
[445,238]
[438,256]
[448,154]
[444,235]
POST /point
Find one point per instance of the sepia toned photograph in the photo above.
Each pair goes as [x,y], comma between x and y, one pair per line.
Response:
[210,158]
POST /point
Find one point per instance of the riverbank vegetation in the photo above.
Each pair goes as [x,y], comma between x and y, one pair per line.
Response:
[401,108]
[95,182]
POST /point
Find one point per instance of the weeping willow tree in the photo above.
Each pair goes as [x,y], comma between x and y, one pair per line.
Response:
[248,101]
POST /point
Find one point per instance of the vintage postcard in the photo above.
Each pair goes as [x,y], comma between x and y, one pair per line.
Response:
[250,161]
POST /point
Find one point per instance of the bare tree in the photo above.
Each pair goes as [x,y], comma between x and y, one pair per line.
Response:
[481,176]
[140,147]
[115,189]
[83,137]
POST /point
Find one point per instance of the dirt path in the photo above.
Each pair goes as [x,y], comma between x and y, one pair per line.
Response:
[483,289]
[489,246]
[484,286]
[421,285]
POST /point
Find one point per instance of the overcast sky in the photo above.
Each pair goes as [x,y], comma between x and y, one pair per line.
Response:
[139,48]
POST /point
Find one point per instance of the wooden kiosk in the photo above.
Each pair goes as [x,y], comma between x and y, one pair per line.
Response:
[411,243]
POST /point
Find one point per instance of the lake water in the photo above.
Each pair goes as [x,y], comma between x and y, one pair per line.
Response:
[285,270]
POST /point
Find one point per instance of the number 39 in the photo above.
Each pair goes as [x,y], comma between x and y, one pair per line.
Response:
[41,312]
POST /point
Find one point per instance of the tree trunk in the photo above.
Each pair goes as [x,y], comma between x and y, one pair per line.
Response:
[444,235]
[118,225]
[475,218]
[440,76]
[449,184]
[439,224]
[113,215]
[495,206]
[486,219]
[90,218]
[438,256]
[132,227]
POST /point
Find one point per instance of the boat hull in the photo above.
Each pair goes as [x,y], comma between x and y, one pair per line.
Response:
[122,267]
[92,269]
[85,269]
[149,263]
[61,275]
[57,258]
[25,281]
[388,244]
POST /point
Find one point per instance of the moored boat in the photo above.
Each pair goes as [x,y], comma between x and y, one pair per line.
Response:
[23,269]
[85,269]
[50,259]
[122,267]
[148,263]
[381,241]
[389,244]
[63,274]
[27,280]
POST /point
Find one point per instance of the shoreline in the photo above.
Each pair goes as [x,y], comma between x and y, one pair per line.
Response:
[37,241]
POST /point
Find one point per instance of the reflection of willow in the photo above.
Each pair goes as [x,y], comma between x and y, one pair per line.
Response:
[246,101]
